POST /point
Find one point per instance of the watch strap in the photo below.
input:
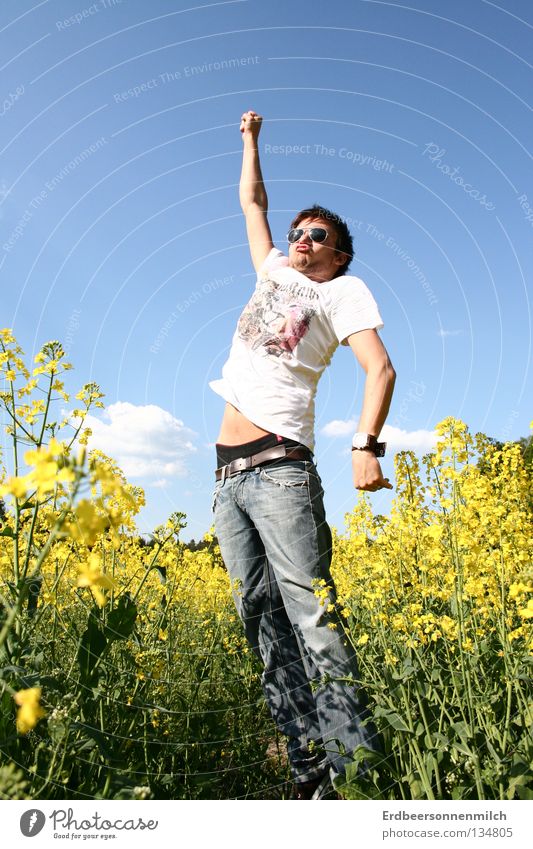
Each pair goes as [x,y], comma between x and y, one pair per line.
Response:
[372,444]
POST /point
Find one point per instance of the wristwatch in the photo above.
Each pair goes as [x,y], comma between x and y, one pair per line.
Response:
[368,442]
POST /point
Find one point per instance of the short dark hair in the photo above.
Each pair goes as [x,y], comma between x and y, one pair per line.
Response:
[344,237]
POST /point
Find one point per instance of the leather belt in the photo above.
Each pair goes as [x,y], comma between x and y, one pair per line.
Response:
[278,452]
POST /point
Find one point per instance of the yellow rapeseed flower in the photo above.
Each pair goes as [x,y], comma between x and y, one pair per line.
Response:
[30,711]
[6,335]
[518,588]
[390,658]
[91,575]
[89,523]
[46,472]
[16,486]
[527,612]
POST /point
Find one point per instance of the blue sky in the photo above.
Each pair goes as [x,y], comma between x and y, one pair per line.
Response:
[121,232]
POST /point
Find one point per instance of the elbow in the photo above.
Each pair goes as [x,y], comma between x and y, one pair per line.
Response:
[391,378]
[384,368]
[382,372]
[251,206]
[391,372]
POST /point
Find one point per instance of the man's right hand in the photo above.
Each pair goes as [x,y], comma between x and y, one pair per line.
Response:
[367,474]
[251,124]
[252,192]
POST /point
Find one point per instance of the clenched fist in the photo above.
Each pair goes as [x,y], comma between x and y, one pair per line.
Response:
[367,474]
[251,124]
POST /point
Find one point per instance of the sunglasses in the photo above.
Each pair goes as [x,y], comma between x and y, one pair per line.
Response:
[316,234]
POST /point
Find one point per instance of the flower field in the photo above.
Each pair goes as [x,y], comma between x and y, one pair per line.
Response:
[123,672]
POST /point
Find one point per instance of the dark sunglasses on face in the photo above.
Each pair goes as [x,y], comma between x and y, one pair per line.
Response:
[316,234]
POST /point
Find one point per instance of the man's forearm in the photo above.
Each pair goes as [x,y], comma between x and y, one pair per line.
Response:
[379,387]
[251,188]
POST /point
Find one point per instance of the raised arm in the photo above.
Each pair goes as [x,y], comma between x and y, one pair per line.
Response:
[379,386]
[252,192]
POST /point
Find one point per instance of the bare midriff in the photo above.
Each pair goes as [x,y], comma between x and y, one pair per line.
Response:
[236,429]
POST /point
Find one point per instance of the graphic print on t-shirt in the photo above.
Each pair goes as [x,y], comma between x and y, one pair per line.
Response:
[277,317]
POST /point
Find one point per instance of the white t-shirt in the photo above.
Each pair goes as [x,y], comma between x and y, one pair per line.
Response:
[285,338]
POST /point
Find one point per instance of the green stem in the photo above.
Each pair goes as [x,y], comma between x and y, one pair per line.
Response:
[422,769]
[509,699]
[428,733]
[16,531]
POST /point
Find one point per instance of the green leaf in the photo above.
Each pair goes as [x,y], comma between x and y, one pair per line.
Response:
[92,645]
[7,532]
[431,766]
[524,793]
[435,675]
[121,620]
[28,505]
[407,670]
[520,776]
[357,786]
[436,741]
[493,752]
[458,791]
[462,731]
[369,756]
[393,719]
[101,740]
[416,787]
[85,744]
[463,748]
[460,740]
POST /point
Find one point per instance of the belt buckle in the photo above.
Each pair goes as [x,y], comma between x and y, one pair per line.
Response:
[245,463]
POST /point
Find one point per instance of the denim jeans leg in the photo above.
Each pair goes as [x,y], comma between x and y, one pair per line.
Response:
[285,502]
[269,631]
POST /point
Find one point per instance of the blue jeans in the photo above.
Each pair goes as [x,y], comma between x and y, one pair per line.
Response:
[276,543]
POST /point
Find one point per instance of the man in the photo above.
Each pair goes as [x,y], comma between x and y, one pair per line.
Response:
[268,498]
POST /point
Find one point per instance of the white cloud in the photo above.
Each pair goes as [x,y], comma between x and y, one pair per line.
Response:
[420,441]
[442,332]
[160,483]
[146,441]
[339,428]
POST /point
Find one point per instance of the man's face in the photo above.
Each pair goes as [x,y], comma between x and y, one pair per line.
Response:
[319,261]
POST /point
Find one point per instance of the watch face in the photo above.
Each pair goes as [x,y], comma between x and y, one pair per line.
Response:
[361,440]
